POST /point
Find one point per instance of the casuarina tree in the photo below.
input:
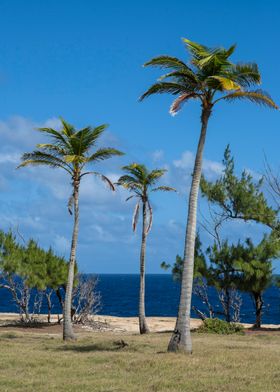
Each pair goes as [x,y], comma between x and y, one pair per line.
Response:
[209,78]
[72,151]
[141,182]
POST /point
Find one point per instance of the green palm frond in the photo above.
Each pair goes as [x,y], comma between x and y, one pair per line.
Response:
[104,153]
[36,158]
[154,175]
[211,73]
[67,128]
[70,151]
[187,77]
[58,137]
[258,96]
[164,188]
[162,88]
[86,138]
[198,51]
[139,181]
[246,74]
[52,149]
[137,170]
[166,62]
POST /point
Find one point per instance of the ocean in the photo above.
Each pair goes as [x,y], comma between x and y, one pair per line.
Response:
[119,297]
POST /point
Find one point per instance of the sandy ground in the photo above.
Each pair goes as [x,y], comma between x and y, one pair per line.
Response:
[9,322]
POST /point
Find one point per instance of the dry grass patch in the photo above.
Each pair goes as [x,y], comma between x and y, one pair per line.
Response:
[101,362]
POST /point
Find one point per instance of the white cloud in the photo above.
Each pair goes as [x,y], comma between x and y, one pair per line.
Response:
[210,168]
[186,161]
[12,157]
[158,155]
[62,244]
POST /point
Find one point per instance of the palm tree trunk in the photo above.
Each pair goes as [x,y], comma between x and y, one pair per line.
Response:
[258,305]
[181,337]
[143,327]
[68,333]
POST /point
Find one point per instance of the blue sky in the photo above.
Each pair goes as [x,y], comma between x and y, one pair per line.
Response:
[83,60]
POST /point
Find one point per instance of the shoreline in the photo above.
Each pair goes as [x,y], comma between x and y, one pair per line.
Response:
[128,324]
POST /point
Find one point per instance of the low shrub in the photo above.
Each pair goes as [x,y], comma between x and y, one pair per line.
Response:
[215,325]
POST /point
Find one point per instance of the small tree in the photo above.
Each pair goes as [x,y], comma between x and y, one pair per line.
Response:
[246,267]
[26,267]
[141,182]
[86,299]
[255,270]
[238,197]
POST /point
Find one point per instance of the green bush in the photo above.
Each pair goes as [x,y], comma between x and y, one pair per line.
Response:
[221,327]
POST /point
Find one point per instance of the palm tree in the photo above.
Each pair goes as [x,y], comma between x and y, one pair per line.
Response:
[210,78]
[140,182]
[70,150]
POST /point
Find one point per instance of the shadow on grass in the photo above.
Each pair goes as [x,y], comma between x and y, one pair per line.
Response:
[110,347]
[31,325]
[8,335]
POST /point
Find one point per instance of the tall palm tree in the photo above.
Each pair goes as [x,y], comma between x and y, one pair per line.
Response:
[71,150]
[210,78]
[141,182]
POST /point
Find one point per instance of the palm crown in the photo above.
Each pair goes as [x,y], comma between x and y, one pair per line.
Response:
[70,150]
[140,181]
[210,77]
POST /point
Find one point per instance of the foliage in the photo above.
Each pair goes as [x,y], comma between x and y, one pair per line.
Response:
[27,266]
[141,182]
[221,327]
[238,198]
[38,268]
[209,77]
[254,265]
[71,150]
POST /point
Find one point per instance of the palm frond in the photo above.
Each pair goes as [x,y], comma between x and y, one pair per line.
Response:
[57,136]
[198,51]
[138,171]
[102,177]
[246,74]
[187,77]
[67,128]
[70,204]
[150,217]
[104,153]
[87,137]
[53,148]
[167,62]
[258,96]
[225,83]
[162,88]
[178,102]
[36,158]
[135,216]
[154,175]
[130,197]
[164,189]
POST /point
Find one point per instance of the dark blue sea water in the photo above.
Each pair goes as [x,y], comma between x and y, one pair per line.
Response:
[120,298]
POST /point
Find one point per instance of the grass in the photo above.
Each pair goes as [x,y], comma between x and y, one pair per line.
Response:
[97,362]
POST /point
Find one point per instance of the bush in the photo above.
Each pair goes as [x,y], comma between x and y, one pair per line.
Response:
[215,325]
